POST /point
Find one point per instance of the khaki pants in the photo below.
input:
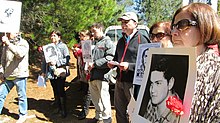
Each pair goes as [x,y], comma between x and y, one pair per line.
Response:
[101,98]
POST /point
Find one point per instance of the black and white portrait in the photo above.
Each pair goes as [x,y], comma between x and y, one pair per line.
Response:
[50,52]
[167,77]
[87,50]
[141,60]
[171,72]
[10,16]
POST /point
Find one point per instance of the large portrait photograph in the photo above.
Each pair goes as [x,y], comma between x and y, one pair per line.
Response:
[167,87]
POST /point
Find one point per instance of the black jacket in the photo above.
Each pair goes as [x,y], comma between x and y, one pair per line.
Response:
[130,56]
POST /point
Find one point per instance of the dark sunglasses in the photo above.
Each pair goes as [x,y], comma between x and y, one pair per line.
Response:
[159,35]
[183,24]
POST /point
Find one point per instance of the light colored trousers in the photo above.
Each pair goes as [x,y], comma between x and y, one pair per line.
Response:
[100,98]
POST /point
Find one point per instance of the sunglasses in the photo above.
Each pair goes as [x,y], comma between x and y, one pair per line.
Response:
[159,35]
[183,24]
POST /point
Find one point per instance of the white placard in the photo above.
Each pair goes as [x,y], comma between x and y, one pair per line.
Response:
[141,61]
[87,50]
[50,53]
[182,62]
[10,16]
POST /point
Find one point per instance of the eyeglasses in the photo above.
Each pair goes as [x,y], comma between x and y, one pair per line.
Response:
[159,35]
[183,24]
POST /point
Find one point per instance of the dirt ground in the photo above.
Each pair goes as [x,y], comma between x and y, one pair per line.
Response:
[40,98]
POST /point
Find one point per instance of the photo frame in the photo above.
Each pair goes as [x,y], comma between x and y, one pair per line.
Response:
[50,52]
[141,61]
[184,59]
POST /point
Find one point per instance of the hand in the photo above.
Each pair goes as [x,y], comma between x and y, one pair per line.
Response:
[91,65]
[123,66]
[75,49]
[52,63]
[111,64]
[5,40]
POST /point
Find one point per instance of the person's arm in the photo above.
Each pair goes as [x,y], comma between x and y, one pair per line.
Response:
[19,50]
[66,57]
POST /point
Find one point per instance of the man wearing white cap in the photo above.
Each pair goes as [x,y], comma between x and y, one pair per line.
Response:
[126,54]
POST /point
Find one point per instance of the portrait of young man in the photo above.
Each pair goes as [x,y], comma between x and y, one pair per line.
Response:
[167,77]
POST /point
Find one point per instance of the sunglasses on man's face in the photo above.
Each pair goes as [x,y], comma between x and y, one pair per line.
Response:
[183,24]
[159,35]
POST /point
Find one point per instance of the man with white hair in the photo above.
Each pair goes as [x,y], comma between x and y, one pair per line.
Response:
[14,71]
[126,54]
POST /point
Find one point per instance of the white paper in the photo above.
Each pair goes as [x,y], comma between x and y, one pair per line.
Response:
[41,81]
[10,16]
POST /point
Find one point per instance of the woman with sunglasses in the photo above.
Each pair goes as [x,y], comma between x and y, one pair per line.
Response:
[160,32]
[197,25]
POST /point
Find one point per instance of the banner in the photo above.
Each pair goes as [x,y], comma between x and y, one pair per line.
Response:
[10,16]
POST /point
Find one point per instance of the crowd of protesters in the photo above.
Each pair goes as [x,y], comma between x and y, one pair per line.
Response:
[194,25]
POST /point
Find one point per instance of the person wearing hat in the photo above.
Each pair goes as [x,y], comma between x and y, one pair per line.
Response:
[126,54]
[14,71]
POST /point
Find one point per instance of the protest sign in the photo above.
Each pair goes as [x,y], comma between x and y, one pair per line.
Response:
[10,16]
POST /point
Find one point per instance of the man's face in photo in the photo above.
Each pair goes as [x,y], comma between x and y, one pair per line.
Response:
[159,87]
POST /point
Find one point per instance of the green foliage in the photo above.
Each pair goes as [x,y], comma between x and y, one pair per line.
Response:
[40,17]
[159,10]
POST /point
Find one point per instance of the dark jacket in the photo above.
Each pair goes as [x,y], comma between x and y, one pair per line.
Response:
[103,52]
[130,56]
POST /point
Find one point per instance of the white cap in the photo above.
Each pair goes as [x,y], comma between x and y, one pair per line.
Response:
[129,16]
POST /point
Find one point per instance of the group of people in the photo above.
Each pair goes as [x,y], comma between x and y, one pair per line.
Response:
[195,25]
